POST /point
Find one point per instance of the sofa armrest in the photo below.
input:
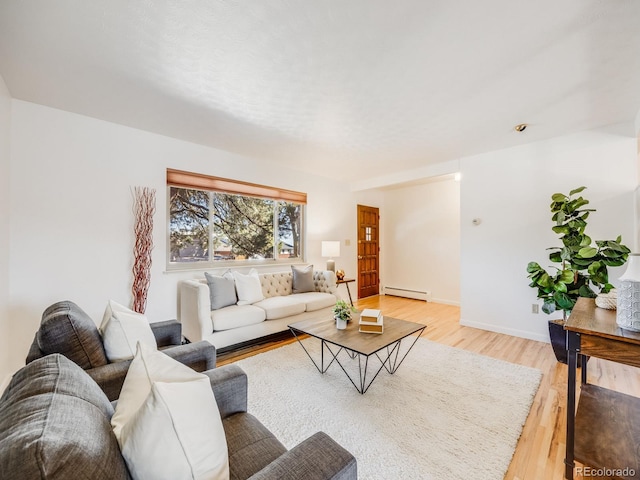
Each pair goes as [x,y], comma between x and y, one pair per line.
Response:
[195,310]
[167,333]
[325,281]
[110,377]
[200,356]
[319,457]
[229,385]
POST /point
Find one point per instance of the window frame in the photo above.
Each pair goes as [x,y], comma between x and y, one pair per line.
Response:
[210,184]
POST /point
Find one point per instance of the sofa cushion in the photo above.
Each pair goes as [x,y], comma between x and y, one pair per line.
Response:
[279,307]
[248,287]
[251,446]
[54,423]
[302,279]
[122,329]
[316,300]
[67,329]
[222,290]
[236,316]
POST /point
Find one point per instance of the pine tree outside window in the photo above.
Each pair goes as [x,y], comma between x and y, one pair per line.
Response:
[214,222]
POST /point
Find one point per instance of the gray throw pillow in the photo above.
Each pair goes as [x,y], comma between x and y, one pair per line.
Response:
[222,291]
[302,279]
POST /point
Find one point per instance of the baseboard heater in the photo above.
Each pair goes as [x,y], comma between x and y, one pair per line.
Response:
[407,293]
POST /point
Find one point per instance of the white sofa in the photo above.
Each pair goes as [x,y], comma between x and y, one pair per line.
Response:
[237,324]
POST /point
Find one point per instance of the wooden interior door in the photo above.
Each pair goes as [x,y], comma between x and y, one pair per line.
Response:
[368,251]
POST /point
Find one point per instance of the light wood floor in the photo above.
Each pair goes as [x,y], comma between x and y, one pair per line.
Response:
[540,451]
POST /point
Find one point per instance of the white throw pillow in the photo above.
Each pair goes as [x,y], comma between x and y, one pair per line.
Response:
[167,421]
[122,329]
[248,287]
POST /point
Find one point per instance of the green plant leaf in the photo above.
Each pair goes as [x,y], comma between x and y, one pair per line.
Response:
[606,288]
[586,291]
[594,268]
[585,241]
[565,253]
[576,190]
[558,197]
[563,301]
[580,263]
[555,257]
[588,252]
[566,276]
[613,262]
[580,202]
[560,287]
[533,267]
[545,281]
[617,246]
[561,229]
[549,306]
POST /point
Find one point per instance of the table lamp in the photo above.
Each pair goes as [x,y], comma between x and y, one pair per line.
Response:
[331,249]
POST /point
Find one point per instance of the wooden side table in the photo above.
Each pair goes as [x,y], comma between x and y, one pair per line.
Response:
[347,281]
[604,432]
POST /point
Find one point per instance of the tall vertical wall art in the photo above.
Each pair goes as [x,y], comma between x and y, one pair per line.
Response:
[144,207]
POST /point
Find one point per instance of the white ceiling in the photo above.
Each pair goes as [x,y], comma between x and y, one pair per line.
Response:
[356,88]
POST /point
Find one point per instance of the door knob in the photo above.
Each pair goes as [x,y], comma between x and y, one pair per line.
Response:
[359,257]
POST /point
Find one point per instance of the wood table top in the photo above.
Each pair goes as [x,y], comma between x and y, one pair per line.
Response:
[587,318]
[351,339]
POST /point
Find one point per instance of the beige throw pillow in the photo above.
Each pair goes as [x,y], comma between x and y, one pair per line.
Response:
[122,329]
[248,287]
[167,421]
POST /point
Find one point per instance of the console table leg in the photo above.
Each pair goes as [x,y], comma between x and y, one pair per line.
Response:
[571,402]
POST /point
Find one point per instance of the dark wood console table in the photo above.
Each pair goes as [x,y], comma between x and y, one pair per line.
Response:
[604,432]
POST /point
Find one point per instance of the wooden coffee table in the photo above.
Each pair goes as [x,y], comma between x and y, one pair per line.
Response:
[365,346]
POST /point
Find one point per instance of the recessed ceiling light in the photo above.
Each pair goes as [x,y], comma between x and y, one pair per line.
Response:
[521,127]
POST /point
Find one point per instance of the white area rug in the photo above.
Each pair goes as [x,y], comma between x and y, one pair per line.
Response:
[445,414]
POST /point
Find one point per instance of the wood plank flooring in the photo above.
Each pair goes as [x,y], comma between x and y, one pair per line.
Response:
[540,451]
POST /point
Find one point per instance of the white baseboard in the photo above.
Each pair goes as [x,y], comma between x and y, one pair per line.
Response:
[514,332]
[446,302]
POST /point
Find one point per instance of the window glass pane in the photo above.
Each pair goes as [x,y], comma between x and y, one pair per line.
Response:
[289,230]
[188,225]
[242,227]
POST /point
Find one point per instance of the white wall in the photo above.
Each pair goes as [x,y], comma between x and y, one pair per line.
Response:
[510,190]
[422,239]
[5,133]
[71,220]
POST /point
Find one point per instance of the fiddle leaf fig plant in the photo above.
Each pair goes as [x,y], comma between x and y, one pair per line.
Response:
[582,269]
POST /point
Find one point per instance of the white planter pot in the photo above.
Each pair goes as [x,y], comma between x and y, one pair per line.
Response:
[341,324]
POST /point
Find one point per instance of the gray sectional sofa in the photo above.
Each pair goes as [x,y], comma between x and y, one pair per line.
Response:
[55,424]
[235,325]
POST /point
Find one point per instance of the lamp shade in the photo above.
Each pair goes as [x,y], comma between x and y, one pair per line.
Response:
[331,249]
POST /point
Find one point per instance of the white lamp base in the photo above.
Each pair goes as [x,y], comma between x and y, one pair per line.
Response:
[331,265]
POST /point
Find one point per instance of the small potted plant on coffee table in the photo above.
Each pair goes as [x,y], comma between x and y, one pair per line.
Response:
[342,313]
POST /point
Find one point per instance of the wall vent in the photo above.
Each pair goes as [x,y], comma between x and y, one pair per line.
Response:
[407,293]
